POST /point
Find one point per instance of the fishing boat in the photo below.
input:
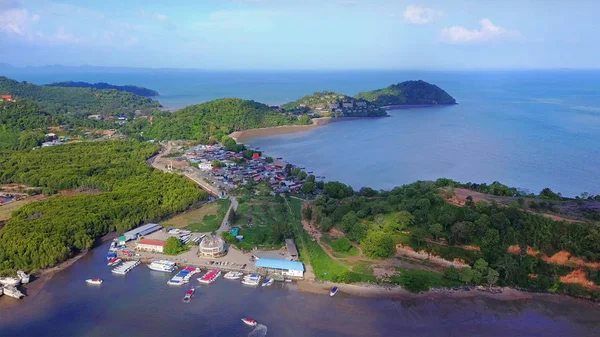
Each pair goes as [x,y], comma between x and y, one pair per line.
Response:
[233,275]
[268,282]
[23,276]
[10,281]
[249,321]
[13,292]
[113,262]
[94,281]
[333,291]
[188,295]
[163,265]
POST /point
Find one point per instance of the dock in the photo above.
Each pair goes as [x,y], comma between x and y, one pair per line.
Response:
[126,267]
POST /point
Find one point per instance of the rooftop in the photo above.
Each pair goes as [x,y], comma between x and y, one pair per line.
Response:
[151,242]
[141,229]
[279,264]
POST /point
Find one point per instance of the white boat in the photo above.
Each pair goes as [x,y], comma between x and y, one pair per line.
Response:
[1,290]
[251,280]
[94,281]
[333,291]
[163,265]
[233,275]
[13,292]
[268,282]
[10,281]
[188,295]
[23,276]
[249,321]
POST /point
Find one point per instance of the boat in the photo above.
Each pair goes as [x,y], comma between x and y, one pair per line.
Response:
[94,281]
[126,267]
[233,275]
[13,292]
[183,276]
[23,276]
[163,265]
[114,261]
[10,281]
[210,277]
[268,282]
[111,255]
[251,280]
[188,295]
[333,291]
[249,321]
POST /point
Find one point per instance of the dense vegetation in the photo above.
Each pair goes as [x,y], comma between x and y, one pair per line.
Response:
[140,91]
[408,93]
[128,193]
[417,215]
[332,103]
[214,119]
[72,100]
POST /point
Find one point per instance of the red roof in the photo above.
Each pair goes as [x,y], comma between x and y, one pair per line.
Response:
[151,242]
[6,97]
[255,156]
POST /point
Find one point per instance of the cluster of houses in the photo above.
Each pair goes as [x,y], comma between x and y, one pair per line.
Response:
[340,107]
[257,169]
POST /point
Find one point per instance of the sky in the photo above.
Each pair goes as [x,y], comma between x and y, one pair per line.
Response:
[302,34]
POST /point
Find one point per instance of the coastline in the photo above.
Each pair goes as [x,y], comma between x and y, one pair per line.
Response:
[241,136]
[39,279]
[400,107]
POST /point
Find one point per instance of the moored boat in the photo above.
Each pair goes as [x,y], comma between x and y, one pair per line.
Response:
[23,276]
[233,275]
[210,277]
[125,267]
[163,265]
[249,321]
[94,281]
[10,281]
[13,292]
[113,262]
[251,280]
[268,282]
[333,291]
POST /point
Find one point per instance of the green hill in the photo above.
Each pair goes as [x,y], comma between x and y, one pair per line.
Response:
[328,103]
[408,93]
[217,118]
[77,100]
[140,91]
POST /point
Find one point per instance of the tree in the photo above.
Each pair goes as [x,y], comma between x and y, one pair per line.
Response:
[218,163]
[305,119]
[325,224]
[308,187]
[460,232]
[307,213]
[320,184]
[301,175]
[452,273]
[311,178]
[228,142]
[228,237]
[492,277]
[436,229]
[173,246]
[378,245]
[404,219]
[465,275]
[269,159]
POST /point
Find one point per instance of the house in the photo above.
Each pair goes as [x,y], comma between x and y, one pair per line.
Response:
[99,117]
[361,103]
[282,267]
[206,166]
[7,98]
[334,105]
[151,245]
[348,104]
[51,136]
[292,251]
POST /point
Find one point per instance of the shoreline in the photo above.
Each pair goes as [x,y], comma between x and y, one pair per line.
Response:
[400,107]
[41,278]
[241,136]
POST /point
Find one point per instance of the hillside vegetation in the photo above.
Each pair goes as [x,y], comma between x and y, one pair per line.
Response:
[332,103]
[215,119]
[42,234]
[408,93]
[85,101]
[140,91]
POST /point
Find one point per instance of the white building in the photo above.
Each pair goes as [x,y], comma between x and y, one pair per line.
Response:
[205,166]
[151,245]
[283,267]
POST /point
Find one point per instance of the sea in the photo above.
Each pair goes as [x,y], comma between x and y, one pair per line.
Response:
[528,129]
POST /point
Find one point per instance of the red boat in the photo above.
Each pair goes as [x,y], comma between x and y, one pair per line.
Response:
[249,321]
[188,295]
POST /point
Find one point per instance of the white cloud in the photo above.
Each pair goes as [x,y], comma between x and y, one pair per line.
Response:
[162,19]
[63,36]
[487,32]
[421,15]
[17,22]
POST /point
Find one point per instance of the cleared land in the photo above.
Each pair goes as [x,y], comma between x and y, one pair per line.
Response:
[7,210]
[207,218]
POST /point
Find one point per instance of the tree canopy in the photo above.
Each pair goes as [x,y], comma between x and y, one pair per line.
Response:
[408,93]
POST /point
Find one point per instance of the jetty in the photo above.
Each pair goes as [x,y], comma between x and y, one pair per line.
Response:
[126,267]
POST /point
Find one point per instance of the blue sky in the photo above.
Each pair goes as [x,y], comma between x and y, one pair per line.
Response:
[302,34]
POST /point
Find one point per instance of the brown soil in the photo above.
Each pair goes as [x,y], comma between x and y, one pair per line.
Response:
[562,258]
[579,277]
[80,190]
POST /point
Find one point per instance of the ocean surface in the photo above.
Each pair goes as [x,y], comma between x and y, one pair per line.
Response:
[528,129]
[142,304]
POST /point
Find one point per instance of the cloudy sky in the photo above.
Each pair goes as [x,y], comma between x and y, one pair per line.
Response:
[302,34]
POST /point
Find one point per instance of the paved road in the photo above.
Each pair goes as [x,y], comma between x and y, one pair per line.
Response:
[225,226]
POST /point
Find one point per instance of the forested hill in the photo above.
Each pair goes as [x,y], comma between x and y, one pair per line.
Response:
[217,118]
[77,100]
[332,103]
[140,91]
[408,93]
[129,193]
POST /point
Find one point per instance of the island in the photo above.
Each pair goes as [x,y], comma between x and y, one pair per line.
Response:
[408,93]
[140,91]
[332,104]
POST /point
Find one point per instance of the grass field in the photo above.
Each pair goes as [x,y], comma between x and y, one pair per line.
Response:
[207,218]
[7,210]
[328,239]
[422,280]
[257,217]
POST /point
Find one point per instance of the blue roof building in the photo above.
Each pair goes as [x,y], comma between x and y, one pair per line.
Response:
[284,267]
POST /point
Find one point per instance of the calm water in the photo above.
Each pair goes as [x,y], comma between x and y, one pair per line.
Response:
[142,304]
[529,129]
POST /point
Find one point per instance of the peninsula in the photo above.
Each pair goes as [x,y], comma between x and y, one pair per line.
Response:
[140,91]
[408,93]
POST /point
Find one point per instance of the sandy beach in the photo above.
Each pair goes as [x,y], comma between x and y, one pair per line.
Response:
[240,136]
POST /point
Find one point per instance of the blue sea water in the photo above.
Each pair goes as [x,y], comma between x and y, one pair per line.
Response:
[528,129]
